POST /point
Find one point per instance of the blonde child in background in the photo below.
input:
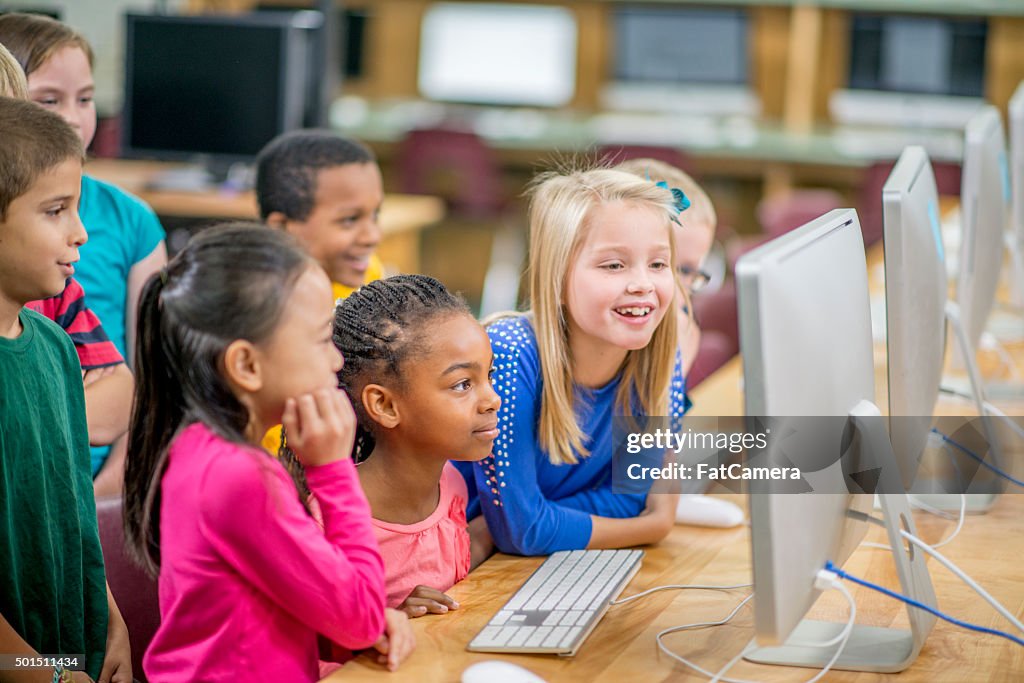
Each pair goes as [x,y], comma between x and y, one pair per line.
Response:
[694,235]
[325,190]
[599,341]
[12,78]
[234,336]
[126,241]
[53,594]
[417,369]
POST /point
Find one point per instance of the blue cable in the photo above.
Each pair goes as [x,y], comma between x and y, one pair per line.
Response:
[920,605]
[977,457]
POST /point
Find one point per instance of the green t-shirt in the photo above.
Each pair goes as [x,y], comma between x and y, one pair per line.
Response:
[52,583]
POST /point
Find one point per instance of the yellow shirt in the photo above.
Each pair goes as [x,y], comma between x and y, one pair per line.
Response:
[375,271]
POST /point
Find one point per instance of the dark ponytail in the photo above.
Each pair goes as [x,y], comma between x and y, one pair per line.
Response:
[229,282]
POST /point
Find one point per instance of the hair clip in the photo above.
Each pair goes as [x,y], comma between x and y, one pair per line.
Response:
[163,275]
[681,201]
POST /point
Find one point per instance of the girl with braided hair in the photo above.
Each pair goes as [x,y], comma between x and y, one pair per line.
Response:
[417,370]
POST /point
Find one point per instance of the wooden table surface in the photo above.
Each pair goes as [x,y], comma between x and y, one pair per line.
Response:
[623,648]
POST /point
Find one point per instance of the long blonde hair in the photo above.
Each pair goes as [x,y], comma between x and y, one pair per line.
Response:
[560,208]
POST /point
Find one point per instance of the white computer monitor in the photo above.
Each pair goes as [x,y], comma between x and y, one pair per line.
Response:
[496,53]
[915,303]
[984,212]
[805,337]
[1015,115]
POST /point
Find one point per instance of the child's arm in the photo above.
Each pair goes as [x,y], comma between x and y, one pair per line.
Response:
[109,480]
[117,661]
[108,403]
[331,580]
[13,644]
[480,542]
[138,275]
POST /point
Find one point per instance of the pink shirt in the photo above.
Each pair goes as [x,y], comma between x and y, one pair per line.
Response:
[247,578]
[433,552]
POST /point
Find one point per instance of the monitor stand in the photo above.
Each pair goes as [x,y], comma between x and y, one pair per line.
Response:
[869,648]
[975,502]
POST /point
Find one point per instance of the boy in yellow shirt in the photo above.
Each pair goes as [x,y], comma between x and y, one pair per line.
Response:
[326,191]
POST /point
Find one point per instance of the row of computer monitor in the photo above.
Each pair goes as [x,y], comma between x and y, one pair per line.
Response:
[806,340]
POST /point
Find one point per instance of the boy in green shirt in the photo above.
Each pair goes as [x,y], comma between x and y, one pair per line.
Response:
[53,595]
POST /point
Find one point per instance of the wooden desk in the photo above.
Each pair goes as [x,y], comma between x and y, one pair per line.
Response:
[622,647]
[402,216]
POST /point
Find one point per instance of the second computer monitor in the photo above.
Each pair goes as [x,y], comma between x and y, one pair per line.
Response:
[984,206]
[915,303]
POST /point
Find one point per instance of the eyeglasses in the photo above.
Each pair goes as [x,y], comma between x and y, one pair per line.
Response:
[694,279]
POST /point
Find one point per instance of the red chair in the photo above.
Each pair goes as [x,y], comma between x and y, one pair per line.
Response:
[778,215]
[455,165]
[869,209]
[717,311]
[714,351]
[133,589]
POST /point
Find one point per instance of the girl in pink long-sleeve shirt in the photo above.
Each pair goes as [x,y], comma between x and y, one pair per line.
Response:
[417,369]
[233,336]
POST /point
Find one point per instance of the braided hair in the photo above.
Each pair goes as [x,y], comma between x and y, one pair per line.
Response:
[378,328]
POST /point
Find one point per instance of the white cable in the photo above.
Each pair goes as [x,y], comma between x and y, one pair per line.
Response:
[996,412]
[831,581]
[987,407]
[946,540]
[963,577]
[623,601]
[844,635]
[990,341]
[686,662]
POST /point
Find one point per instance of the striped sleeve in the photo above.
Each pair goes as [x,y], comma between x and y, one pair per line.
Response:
[69,310]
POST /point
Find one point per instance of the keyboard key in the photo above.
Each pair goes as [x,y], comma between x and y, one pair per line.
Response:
[521,635]
[552,619]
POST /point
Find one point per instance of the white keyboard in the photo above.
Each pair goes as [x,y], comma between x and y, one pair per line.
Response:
[560,604]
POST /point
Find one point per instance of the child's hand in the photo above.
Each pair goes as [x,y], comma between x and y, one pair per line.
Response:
[321,426]
[398,640]
[424,599]
[117,662]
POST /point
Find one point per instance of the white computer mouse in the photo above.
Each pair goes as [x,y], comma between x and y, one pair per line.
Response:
[700,510]
[496,671]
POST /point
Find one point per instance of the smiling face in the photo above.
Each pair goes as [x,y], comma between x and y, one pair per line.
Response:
[446,403]
[63,84]
[40,236]
[342,231]
[620,283]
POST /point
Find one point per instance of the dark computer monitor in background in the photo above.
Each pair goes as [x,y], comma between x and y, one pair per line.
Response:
[805,337]
[498,54]
[984,216]
[242,80]
[912,70]
[681,58]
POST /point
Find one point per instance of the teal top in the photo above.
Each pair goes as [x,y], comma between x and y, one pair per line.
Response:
[123,230]
[52,583]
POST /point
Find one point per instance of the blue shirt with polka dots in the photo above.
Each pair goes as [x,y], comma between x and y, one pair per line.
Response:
[532,506]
